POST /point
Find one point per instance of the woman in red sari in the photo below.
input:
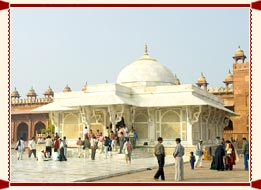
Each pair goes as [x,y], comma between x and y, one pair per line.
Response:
[230,159]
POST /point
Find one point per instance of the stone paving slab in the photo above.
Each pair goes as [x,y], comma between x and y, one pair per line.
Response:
[115,169]
[77,169]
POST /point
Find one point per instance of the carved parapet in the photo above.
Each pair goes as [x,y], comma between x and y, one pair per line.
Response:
[241,66]
[31,101]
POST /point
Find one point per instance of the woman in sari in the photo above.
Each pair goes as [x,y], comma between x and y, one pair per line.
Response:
[230,158]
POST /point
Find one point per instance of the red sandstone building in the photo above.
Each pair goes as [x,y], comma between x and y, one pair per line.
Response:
[26,124]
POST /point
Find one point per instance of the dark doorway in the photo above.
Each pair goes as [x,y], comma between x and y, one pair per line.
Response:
[229,127]
[22,131]
[38,127]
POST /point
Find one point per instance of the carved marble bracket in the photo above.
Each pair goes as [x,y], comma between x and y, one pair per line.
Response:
[83,116]
[194,113]
[218,117]
[115,114]
[206,113]
[85,113]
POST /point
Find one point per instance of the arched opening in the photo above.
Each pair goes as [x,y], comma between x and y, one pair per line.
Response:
[22,131]
[171,125]
[38,127]
[141,126]
[71,127]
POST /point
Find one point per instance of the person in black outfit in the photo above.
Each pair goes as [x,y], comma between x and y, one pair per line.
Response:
[62,156]
[159,152]
[220,152]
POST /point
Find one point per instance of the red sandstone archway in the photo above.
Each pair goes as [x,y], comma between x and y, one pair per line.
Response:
[22,131]
[38,127]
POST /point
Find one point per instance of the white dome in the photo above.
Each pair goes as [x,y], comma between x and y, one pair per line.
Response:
[145,70]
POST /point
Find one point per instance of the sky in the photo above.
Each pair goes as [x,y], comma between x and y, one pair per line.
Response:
[59,46]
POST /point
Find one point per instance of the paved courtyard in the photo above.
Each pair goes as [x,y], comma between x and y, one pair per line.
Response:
[114,169]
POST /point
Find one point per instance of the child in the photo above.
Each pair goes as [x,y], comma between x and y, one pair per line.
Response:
[192,160]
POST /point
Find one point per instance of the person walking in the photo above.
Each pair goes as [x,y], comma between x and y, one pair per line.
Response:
[245,152]
[219,154]
[32,147]
[20,147]
[85,132]
[230,158]
[127,149]
[159,152]
[48,146]
[192,160]
[62,155]
[65,145]
[179,165]
[199,154]
[94,144]
[121,141]
[106,146]
[56,147]
[87,146]
[79,144]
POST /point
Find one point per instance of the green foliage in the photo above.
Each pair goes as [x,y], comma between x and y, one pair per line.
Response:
[51,127]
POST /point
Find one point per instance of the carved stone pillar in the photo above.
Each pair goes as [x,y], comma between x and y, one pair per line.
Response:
[151,125]
[193,113]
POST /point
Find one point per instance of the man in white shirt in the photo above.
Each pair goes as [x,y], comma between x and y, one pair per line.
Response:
[199,154]
[32,147]
[85,133]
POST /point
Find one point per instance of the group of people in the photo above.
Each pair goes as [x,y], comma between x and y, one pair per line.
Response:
[122,138]
[224,156]
[59,145]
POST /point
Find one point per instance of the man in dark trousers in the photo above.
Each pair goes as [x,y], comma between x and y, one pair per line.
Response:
[245,151]
[159,152]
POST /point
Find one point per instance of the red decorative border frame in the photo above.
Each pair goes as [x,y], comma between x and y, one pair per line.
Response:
[254,5]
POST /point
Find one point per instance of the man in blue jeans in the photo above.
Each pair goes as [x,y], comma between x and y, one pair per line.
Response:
[245,151]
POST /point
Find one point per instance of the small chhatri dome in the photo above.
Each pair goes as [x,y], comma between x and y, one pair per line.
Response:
[15,94]
[239,55]
[48,92]
[84,88]
[176,80]
[202,79]
[31,93]
[67,89]
[239,52]
[145,71]
[229,78]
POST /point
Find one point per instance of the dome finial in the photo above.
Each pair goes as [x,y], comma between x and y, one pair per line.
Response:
[146,49]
